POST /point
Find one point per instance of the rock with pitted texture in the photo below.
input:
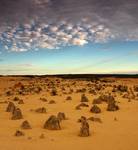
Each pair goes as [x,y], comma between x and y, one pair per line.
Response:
[25,125]
[95,109]
[53,123]
[17,114]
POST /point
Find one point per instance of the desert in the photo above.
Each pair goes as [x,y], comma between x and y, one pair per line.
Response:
[59,113]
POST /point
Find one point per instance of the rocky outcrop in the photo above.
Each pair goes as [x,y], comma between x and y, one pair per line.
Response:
[95,109]
[17,114]
[25,125]
[53,123]
[84,130]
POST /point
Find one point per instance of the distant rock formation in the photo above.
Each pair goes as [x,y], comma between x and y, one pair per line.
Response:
[19,133]
[11,107]
[69,98]
[41,110]
[20,101]
[95,109]
[42,136]
[112,106]
[84,130]
[52,102]
[95,119]
[83,118]
[84,98]
[61,116]
[17,114]
[25,125]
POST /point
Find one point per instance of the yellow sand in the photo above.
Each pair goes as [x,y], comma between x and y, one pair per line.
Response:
[109,135]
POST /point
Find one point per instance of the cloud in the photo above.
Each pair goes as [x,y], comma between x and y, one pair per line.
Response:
[51,36]
[33,24]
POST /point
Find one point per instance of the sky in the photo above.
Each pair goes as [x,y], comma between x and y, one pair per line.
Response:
[68,36]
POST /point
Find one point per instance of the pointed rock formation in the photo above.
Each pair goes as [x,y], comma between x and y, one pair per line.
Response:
[95,109]
[112,106]
[84,98]
[16,98]
[53,92]
[20,101]
[11,107]
[19,133]
[84,130]
[97,101]
[52,123]
[25,125]
[69,98]
[78,107]
[61,116]
[17,114]
[83,118]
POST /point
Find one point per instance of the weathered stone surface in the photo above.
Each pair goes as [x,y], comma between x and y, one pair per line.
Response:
[25,125]
[19,133]
[84,130]
[53,123]
[61,116]
[95,119]
[41,110]
[95,109]
[11,107]
[20,101]
[69,98]
[17,114]
[112,106]
[84,98]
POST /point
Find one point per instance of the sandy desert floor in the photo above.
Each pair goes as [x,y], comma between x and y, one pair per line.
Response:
[117,131]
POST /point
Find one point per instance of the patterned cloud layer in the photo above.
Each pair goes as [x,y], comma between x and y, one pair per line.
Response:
[34,36]
[51,24]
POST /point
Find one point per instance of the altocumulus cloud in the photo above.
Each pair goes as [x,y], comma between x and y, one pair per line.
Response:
[52,24]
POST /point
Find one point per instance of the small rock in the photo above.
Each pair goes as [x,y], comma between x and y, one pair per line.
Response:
[112,106]
[69,98]
[19,133]
[52,102]
[95,119]
[25,125]
[84,98]
[42,136]
[41,110]
[95,109]
[20,101]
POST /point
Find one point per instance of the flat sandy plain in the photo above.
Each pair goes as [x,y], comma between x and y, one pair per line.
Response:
[118,130]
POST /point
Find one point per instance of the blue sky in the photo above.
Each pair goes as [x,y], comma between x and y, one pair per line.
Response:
[68,36]
[110,57]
